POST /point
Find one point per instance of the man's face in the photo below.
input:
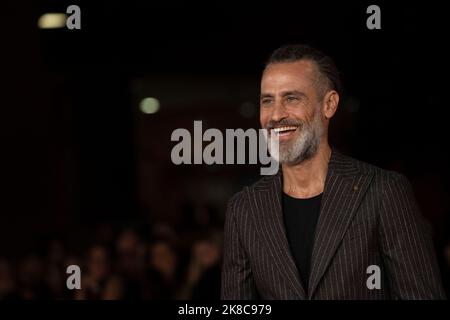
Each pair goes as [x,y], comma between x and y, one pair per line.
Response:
[290,108]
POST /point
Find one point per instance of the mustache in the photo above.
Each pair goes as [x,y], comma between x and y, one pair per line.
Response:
[284,123]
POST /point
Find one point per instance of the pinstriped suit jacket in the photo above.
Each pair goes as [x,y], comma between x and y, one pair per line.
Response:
[368,216]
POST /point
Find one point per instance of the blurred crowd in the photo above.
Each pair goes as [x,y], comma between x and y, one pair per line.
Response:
[120,263]
[159,260]
[129,264]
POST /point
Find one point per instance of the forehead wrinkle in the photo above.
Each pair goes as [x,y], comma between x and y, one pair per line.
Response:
[308,69]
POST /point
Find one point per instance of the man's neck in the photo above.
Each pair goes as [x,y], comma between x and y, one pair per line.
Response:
[307,179]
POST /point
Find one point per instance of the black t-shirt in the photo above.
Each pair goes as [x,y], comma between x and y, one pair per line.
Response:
[300,220]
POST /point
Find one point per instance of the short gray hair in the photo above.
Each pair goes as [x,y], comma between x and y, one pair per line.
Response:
[326,66]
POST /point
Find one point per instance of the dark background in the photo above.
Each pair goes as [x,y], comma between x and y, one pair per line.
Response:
[81,161]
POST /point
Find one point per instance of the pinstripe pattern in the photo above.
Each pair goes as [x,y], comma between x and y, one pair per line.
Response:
[368,216]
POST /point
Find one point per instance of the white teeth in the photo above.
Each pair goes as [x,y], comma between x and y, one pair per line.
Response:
[281,129]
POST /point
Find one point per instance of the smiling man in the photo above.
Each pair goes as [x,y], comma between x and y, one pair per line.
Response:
[319,228]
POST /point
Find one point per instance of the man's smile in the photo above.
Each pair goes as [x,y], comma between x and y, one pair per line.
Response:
[284,133]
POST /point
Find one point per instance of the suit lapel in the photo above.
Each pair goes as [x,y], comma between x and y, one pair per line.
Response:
[345,186]
[269,218]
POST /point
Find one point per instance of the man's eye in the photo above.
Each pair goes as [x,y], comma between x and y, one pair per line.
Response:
[266,101]
[291,99]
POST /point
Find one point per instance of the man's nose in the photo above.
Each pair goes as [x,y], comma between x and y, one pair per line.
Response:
[279,112]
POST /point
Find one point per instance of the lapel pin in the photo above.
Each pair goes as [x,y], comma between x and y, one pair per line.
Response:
[355,188]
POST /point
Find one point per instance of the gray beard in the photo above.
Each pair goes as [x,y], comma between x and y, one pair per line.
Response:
[304,147]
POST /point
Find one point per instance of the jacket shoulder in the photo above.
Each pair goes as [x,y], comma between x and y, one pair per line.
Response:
[382,174]
[368,168]
[261,185]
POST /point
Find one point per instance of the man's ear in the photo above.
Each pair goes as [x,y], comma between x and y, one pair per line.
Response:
[330,103]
